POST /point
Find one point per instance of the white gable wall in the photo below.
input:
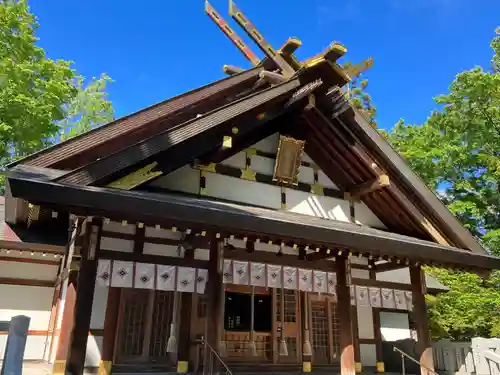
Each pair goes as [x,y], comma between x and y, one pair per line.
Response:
[187,180]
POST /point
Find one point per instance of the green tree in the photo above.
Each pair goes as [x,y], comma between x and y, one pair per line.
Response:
[40,98]
[358,96]
[457,152]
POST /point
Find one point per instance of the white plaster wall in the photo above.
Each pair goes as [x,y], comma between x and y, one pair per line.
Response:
[394,326]
[366,217]
[315,205]
[360,274]
[185,179]
[31,271]
[99,307]
[365,322]
[160,249]
[117,244]
[35,302]
[368,354]
[94,350]
[113,226]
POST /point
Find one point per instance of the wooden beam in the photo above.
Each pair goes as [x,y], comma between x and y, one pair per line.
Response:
[47,262]
[257,37]
[156,259]
[27,282]
[232,70]
[357,191]
[424,343]
[271,77]
[231,34]
[184,344]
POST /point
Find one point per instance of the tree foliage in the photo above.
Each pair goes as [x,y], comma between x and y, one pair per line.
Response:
[39,96]
[457,152]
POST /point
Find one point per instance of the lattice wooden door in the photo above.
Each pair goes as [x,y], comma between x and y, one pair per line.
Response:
[319,329]
[143,326]
[291,325]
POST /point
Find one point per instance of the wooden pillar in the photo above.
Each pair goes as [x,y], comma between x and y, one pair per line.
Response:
[68,311]
[347,363]
[84,298]
[184,339]
[355,338]
[424,344]
[110,328]
[376,327]
[214,308]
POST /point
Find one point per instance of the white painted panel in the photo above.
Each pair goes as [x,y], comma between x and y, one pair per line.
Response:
[32,301]
[32,271]
[368,354]
[35,347]
[237,161]
[366,217]
[262,165]
[185,179]
[117,244]
[94,350]
[307,158]
[163,233]
[99,307]
[202,254]
[243,191]
[357,260]
[394,326]
[360,274]
[306,174]
[269,144]
[315,205]
[114,226]
[325,181]
[160,249]
[365,322]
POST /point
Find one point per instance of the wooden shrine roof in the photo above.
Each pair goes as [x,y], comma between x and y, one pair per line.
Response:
[240,220]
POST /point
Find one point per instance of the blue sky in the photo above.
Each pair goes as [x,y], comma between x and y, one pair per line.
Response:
[159,48]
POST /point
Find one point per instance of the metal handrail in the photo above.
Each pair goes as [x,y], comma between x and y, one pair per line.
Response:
[214,352]
[403,354]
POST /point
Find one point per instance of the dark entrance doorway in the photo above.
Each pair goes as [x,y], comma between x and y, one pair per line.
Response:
[238,310]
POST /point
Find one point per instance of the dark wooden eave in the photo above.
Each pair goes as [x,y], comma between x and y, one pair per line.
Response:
[240,219]
[133,128]
[213,126]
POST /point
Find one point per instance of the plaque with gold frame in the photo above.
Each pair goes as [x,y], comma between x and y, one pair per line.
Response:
[288,160]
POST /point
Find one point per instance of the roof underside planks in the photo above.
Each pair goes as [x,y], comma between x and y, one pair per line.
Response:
[241,220]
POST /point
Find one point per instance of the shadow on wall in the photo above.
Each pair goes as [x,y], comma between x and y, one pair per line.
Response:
[393,360]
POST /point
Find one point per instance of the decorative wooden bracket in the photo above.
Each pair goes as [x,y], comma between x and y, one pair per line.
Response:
[136,178]
[356,192]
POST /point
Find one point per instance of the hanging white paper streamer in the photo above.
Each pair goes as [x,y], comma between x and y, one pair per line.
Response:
[257,274]
[122,276]
[274,276]
[103,272]
[227,276]
[332,283]
[388,300]
[320,283]
[400,298]
[166,277]
[144,276]
[290,278]
[362,296]
[352,293]
[201,280]
[305,280]
[185,279]
[375,297]
[241,272]
[409,301]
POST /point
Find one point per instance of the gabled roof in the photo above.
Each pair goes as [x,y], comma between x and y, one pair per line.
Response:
[304,100]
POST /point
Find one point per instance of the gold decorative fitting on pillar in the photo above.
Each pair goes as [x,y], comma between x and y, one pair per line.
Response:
[339,253]
[157,226]
[59,367]
[182,367]
[54,214]
[306,367]
[380,367]
[227,142]
[207,168]
[358,367]
[270,242]
[217,235]
[235,130]
[294,246]
[328,251]
[203,233]
[261,116]
[124,222]
[107,220]
[140,225]
[105,368]
[174,229]
[317,189]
